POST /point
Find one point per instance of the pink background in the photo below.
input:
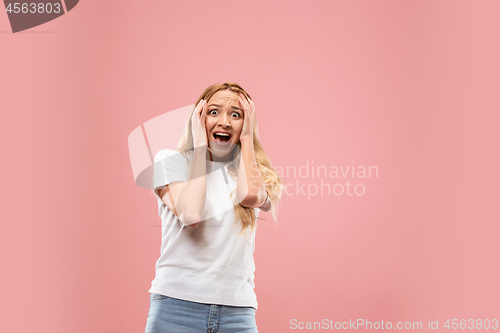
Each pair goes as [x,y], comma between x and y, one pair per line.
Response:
[408,86]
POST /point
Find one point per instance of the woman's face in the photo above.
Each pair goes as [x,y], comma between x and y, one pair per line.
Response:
[224,122]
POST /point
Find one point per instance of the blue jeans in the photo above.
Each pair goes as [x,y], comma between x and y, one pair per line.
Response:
[171,315]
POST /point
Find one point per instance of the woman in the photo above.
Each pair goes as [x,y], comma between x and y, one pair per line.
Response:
[209,195]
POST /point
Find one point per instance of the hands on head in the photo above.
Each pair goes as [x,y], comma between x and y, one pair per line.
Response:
[241,129]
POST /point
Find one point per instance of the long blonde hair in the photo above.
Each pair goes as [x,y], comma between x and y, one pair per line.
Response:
[272,182]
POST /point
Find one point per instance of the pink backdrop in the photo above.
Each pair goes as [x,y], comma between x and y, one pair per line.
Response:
[408,87]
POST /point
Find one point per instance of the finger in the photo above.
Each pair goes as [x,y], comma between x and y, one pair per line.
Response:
[248,107]
[198,105]
[244,98]
[200,109]
[203,114]
[196,109]
[205,110]
[243,104]
[250,104]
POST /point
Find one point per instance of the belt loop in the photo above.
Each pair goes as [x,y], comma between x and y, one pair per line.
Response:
[214,318]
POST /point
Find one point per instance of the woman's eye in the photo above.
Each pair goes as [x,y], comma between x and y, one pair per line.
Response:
[236,113]
[210,112]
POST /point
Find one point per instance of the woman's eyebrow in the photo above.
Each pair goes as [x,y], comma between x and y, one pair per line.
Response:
[219,106]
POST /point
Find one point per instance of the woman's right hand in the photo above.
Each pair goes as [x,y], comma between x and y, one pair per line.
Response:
[198,127]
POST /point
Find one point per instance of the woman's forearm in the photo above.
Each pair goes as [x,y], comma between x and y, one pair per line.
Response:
[251,190]
[190,201]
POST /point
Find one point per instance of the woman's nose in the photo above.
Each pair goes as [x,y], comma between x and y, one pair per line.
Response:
[224,120]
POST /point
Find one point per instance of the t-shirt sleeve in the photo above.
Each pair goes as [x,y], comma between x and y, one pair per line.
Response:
[169,166]
[266,206]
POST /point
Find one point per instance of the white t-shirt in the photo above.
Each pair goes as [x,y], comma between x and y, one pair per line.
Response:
[211,263]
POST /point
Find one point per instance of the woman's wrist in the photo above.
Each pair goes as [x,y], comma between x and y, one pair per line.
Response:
[246,141]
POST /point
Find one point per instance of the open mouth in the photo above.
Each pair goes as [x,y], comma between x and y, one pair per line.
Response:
[222,137]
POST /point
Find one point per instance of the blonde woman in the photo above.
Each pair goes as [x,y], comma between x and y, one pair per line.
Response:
[210,192]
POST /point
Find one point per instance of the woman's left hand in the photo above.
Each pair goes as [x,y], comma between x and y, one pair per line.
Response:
[249,113]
